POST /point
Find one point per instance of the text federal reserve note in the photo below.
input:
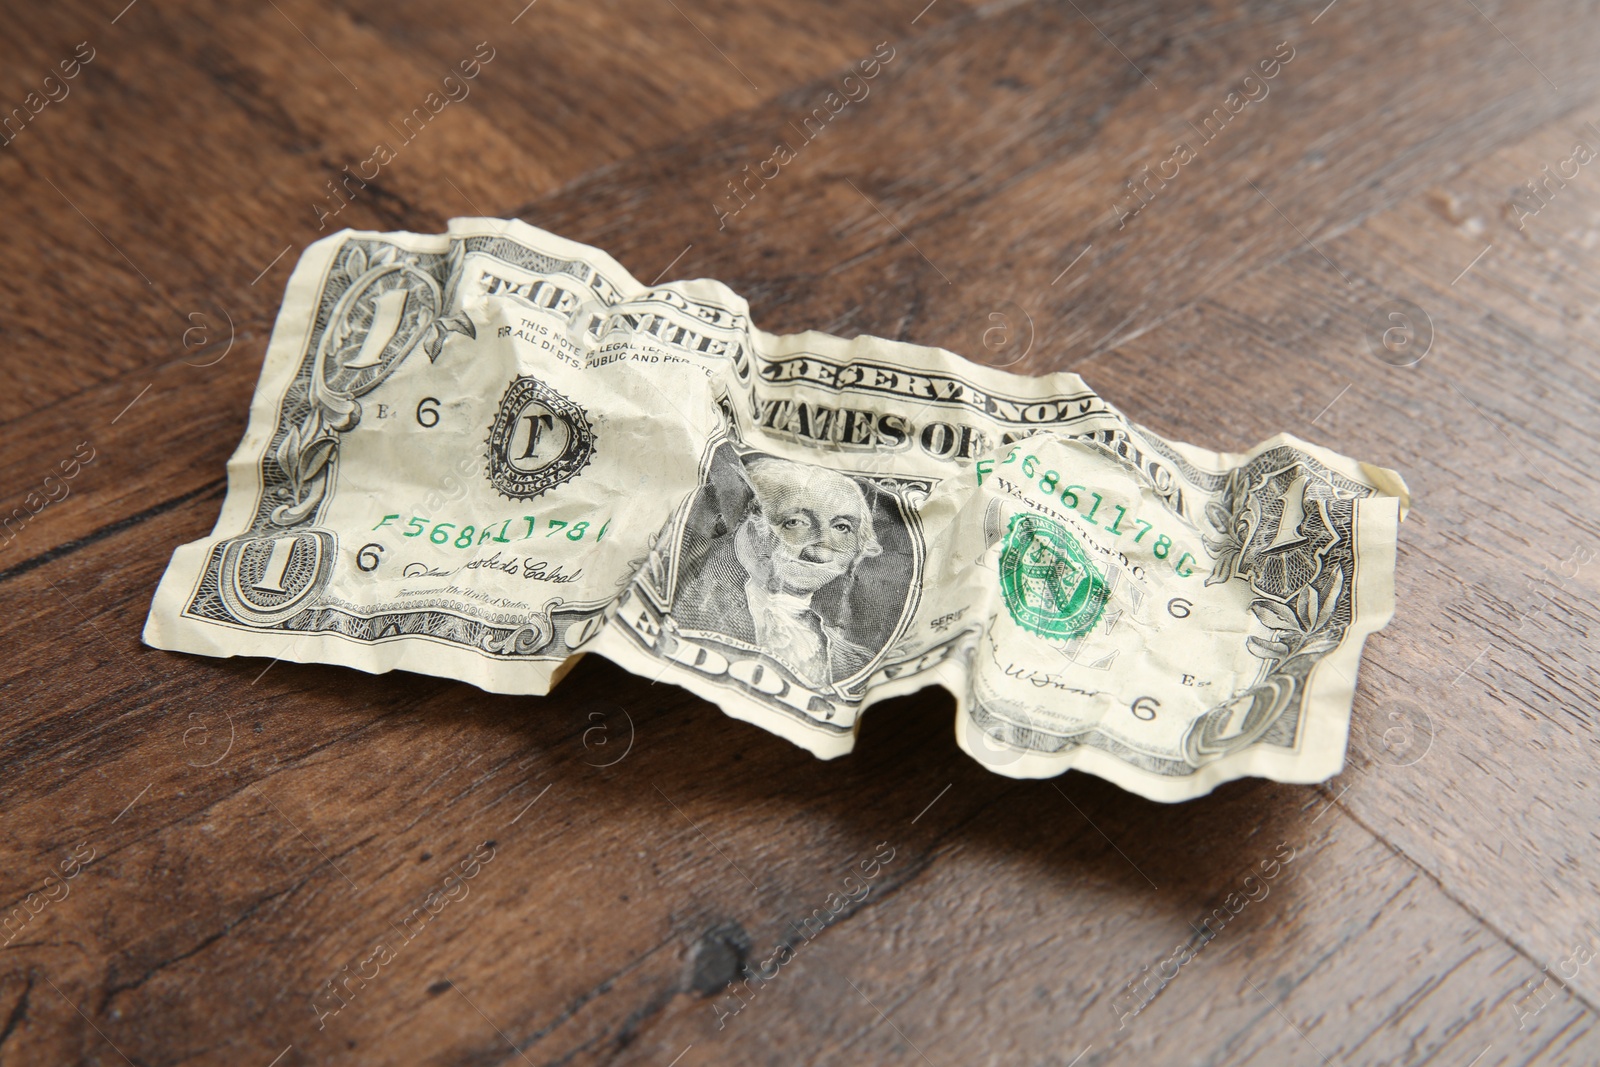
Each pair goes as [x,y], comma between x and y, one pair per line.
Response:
[482,454]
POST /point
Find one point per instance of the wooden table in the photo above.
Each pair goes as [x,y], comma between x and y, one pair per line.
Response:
[193,849]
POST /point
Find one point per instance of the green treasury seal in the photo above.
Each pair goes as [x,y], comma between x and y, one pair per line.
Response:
[1049,584]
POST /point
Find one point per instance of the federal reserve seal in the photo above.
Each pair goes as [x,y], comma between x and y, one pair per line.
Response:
[539,440]
[1049,584]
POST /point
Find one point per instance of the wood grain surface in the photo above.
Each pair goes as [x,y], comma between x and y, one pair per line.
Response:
[240,834]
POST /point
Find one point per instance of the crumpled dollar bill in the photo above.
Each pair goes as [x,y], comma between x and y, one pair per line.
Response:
[484,453]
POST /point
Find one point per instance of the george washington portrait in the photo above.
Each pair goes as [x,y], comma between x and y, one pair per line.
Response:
[811,566]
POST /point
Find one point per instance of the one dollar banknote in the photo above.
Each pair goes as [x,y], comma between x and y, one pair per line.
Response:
[485,453]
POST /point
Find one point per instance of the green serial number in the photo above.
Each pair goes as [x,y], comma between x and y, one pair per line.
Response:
[1049,484]
[449,533]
